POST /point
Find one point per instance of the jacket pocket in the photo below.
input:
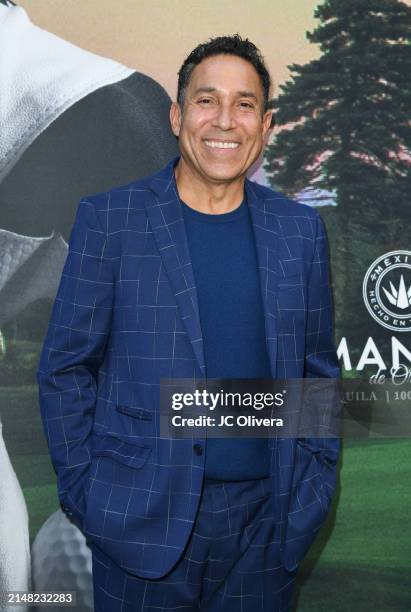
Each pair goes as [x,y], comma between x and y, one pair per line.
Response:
[130,454]
[133,411]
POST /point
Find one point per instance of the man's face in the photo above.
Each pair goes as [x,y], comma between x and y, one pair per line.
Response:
[223,104]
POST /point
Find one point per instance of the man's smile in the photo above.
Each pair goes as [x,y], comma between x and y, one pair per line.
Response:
[222,144]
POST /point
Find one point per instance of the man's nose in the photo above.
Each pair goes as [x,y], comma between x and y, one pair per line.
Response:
[224,117]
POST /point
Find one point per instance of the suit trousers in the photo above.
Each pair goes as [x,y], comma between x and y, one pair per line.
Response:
[230,563]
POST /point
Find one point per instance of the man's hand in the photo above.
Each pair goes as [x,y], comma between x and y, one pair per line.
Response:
[315,472]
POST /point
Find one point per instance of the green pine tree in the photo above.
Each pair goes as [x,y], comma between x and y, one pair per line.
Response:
[346,120]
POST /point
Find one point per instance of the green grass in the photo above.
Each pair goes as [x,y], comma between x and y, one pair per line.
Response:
[361,558]
[34,470]
[38,482]
[353,588]
[20,416]
[41,502]
[368,520]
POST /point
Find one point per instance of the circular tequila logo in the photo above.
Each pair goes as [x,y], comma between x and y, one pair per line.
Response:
[387,290]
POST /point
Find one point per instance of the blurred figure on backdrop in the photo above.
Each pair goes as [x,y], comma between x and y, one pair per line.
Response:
[71,122]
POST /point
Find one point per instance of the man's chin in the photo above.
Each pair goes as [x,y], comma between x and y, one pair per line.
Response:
[222,172]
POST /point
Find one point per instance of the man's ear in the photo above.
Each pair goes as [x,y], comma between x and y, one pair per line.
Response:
[175,118]
[267,121]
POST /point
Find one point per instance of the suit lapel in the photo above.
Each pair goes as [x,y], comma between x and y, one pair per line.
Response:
[166,219]
[266,232]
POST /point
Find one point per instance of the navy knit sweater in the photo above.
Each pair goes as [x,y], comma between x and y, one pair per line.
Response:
[223,256]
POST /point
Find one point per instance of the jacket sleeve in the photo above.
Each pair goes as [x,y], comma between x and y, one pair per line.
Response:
[321,361]
[72,353]
[315,459]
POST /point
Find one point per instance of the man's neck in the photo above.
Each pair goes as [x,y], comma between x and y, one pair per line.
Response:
[207,197]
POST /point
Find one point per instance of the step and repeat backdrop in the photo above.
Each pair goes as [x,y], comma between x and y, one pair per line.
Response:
[85,92]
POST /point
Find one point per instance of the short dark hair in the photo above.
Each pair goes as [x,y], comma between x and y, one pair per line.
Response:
[229,45]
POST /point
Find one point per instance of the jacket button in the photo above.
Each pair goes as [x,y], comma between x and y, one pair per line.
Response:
[66,510]
[198,449]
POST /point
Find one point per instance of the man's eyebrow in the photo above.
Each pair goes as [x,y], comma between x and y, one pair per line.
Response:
[209,89]
[247,94]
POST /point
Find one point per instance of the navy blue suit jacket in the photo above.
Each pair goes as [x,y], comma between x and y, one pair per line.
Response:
[125,316]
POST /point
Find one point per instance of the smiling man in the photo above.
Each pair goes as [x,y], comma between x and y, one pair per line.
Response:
[192,272]
[221,120]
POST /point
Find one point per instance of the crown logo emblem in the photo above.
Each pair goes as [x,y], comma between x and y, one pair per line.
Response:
[401,298]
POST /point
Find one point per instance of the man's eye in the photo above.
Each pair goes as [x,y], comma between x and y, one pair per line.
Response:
[205,100]
[247,104]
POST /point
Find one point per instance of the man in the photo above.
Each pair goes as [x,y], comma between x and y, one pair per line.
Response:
[194,271]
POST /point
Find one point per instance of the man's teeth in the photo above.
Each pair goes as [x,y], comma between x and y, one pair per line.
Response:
[221,145]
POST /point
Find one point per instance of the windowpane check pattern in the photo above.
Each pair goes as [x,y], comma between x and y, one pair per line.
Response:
[125,316]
